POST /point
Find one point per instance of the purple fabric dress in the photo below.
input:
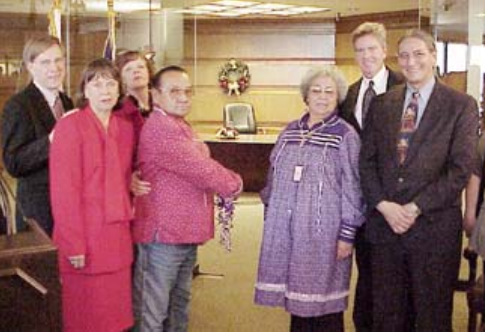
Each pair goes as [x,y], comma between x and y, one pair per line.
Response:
[306,214]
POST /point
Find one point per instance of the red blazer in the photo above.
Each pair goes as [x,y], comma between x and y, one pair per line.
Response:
[90,168]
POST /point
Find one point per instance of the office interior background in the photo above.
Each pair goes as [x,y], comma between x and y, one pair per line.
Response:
[279,41]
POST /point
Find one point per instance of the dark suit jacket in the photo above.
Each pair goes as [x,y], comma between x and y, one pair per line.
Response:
[440,159]
[27,121]
[347,108]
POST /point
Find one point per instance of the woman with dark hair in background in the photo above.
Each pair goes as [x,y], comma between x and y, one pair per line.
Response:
[135,71]
[91,160]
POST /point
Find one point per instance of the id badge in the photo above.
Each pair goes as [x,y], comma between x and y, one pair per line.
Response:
[298,173]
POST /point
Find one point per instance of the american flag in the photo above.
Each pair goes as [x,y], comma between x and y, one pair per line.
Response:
[109,51]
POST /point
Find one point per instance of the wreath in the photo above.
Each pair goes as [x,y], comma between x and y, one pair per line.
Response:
[234,77]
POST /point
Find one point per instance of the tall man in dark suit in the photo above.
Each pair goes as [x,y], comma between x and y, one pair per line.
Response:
[26,130]
[417,155]
[370,48]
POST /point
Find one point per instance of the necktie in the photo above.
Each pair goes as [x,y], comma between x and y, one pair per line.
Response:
[58,109]
[408,126]
[368,95]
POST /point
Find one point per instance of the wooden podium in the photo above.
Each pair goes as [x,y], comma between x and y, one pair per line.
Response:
[29,282]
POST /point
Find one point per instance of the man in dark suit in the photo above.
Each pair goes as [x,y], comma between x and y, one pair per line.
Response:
[370,48]
[27,123]
[417,155]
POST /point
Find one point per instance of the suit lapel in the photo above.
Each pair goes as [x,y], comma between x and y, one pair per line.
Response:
[428,121]
[353,94]
[393,79]
[66,102]
[41,112]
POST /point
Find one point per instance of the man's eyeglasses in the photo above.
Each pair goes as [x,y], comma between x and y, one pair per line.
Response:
[177,92]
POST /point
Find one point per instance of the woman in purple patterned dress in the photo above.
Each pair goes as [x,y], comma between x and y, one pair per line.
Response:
[313,209]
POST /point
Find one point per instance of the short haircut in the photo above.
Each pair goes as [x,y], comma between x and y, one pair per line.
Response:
[37,45]
[99,67]
[370,28]
[421,35]
[124,57]
[156,80]
[330,71]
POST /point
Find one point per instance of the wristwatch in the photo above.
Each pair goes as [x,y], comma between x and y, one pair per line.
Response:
[416,209]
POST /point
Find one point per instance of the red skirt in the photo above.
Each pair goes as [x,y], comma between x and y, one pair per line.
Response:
[97,302]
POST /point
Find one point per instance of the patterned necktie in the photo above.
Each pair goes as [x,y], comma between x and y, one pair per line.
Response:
[408,126]
[58,109]
[369,94]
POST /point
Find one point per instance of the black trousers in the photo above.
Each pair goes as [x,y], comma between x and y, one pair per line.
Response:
[326,323]
[413,285]
[362,315]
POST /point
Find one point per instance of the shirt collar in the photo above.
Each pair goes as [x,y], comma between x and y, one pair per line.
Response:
[425,91]
[48,94]
[378,78]
[303,123]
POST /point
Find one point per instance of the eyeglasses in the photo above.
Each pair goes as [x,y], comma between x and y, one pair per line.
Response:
[318,90]
[177,92]
[418,55]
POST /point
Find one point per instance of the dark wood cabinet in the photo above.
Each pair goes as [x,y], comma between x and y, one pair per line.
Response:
[29,282]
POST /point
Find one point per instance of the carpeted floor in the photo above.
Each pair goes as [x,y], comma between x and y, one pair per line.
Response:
[223,302]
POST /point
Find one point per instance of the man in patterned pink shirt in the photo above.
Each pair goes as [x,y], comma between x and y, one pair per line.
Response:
[177,214]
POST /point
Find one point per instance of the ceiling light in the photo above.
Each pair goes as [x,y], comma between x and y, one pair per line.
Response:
[125,6]
[481,15]
[272,6]
[230,3]
[209,8]
[249,11]
[225,14]
[300,10]
[280,13]
[193,12]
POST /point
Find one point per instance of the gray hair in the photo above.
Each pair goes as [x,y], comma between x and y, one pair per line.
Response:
[330,71]
[370,28]
[421,35]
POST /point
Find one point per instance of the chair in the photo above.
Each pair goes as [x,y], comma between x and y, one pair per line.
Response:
[475,293]
[241,117]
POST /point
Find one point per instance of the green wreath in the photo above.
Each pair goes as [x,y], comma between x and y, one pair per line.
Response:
[234,77]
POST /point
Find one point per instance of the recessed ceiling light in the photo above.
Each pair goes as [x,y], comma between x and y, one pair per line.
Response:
[209,8]
[225,14]
[193,12]
[273,6]
[280,13]
[125,6]
[249,11]
[308,9]
[231,3]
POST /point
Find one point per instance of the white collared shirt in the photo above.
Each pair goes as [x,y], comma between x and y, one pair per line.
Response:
[380,86]
[49,96]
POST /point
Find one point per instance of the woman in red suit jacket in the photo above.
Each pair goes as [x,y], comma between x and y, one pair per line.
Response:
[90,166]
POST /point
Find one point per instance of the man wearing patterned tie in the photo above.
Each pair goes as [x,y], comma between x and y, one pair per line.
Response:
[26,128]
[413,191]
[370,49]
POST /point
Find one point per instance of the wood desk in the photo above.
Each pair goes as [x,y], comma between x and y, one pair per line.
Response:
[29,282]
[247,155]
